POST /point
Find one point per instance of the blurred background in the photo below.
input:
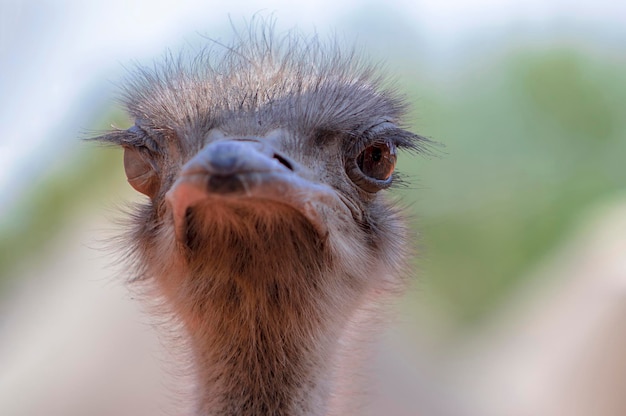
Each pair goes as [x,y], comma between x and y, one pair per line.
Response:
[519,306]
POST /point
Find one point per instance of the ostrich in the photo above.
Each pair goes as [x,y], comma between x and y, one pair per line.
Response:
[266,233]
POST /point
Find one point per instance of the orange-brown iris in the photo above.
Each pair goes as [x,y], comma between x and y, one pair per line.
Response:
[378,161]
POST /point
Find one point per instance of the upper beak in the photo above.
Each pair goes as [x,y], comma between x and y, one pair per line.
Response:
[249,171]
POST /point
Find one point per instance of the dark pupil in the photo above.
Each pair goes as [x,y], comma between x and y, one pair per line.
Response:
[377,161]
[377,154]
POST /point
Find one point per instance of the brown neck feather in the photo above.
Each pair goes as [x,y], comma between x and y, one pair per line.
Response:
[262,311]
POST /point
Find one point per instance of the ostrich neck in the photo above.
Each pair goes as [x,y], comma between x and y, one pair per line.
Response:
[263,347]
[265,304]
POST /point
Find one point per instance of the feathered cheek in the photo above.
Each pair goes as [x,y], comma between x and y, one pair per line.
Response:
[356,258]
[166,259]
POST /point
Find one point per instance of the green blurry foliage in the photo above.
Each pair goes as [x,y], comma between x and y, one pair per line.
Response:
[66,190]
[533,140]
[570,94]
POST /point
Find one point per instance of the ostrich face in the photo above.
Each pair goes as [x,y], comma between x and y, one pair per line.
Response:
[273,142]
[326,178]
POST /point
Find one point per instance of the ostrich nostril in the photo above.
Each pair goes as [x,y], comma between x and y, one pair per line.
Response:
[283,161]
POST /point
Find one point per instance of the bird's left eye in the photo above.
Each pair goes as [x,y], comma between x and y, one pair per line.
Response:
[141,172]
[378,161]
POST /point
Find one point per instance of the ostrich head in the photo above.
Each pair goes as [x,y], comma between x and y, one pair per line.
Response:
[266,228]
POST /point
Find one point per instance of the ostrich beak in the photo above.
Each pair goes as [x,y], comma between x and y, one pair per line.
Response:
[231,172]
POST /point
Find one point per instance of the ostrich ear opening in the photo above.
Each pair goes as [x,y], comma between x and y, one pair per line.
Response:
[140,172]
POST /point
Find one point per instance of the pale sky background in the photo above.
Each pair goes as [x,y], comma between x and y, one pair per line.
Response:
[54,56]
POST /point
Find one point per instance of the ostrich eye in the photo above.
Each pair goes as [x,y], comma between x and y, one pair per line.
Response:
[377,161]
[141,174]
